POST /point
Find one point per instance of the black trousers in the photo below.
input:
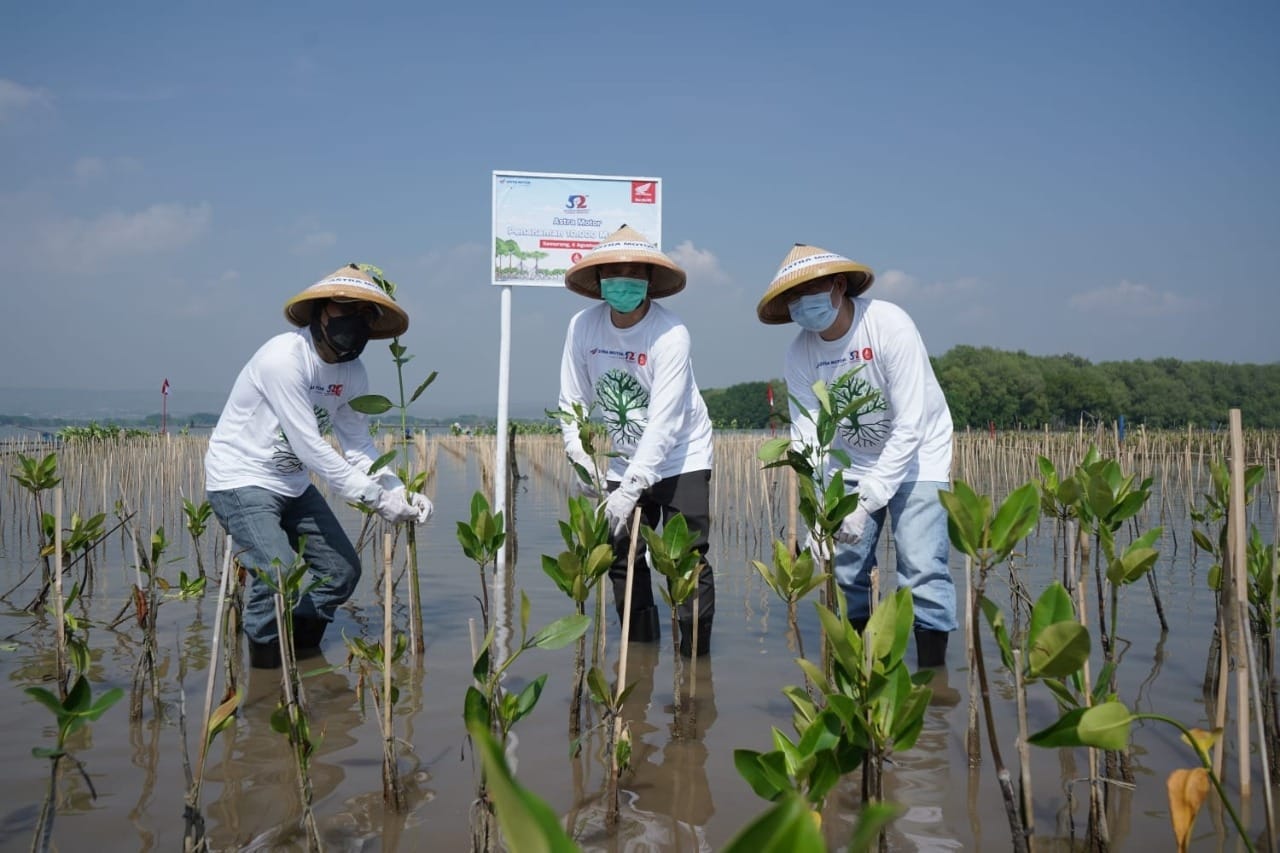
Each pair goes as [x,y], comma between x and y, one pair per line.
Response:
[689,495]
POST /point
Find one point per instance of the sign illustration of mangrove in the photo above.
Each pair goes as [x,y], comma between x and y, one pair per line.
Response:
[624,404]
[862,428]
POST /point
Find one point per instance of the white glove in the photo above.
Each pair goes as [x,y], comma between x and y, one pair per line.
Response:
[392,506]
[816,546]
[853,526]
[620,505]
[423,505]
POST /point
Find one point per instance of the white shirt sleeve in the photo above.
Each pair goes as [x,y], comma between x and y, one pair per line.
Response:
[575,387]
[802,403]
[906,368]
[668,398]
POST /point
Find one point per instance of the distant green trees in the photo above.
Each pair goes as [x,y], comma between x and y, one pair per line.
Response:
[746,405]
[1013,389]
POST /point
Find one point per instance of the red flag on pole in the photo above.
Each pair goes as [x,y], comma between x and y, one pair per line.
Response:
[769,393]
[164,389]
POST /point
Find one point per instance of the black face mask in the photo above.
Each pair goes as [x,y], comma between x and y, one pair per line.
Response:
[346,336]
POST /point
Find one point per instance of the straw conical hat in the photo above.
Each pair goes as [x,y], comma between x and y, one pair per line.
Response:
[803,264]
[625,246]
[350,282]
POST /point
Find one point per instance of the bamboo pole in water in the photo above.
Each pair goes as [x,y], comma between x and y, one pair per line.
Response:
[1239,570]
[61,656]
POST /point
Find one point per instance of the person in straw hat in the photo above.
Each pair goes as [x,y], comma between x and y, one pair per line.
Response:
[270,439]
[898,443]
[631,357]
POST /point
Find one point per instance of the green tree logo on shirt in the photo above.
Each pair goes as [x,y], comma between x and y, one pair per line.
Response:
[624,404]
[868,425]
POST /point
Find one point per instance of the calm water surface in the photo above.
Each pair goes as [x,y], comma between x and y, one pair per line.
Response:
[682,792]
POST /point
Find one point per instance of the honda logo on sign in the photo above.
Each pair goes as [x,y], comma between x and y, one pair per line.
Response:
[643,192]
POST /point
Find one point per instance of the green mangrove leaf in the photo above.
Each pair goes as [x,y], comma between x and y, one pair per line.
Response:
[765,772]
[561,632]
[1015,519]
[1063,732]
[872,819]
[1106,726]
[773,449]
[475,707]
[788,827]
[1059,650]
[1053,605]
[995,618]
[426,382]
[371,404]
[528,824]
[966,520]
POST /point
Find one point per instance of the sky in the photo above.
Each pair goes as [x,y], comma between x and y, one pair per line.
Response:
[1101,179]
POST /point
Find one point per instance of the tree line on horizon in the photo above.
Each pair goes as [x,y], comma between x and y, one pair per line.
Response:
[987,387]
[984,387]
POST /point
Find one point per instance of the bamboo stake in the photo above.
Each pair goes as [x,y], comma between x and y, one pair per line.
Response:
[973,740]
[61,656]
[1256,692]
[1239,568]
[390,778]
[1024,752]
[214,653]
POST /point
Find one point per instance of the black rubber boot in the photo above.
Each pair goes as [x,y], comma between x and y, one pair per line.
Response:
[264,655]
[704,638]
[931,648]
[307,633]
[645,627]
[859,623]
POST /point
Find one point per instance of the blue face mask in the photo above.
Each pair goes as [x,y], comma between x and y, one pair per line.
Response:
[813,311]
[624,294]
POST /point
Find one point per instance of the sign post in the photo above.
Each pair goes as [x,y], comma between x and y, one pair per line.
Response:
[543,223]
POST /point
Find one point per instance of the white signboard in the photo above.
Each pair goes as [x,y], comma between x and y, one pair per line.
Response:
[544,223]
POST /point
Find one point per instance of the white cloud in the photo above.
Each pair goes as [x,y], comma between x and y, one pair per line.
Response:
[88,168]
[1132,299]
[14,97]
[702,265]
[80,243]
[896,285]
[316,241]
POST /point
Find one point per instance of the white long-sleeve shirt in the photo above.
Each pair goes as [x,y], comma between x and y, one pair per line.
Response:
[641,379]
[903,434]
[270,433]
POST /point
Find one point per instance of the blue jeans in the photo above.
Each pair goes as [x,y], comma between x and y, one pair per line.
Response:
[266,527]
[923,550]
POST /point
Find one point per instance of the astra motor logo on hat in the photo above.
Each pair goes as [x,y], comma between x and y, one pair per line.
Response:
[577,203]
[643,192]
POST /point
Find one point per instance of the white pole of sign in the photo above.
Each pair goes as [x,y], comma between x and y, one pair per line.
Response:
[498,652]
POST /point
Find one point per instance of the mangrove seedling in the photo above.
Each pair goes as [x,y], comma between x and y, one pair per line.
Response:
[481,540]
[291,717]
[791,578]
[197,522]
[71,714]
[490,706]
[988,539]
[38,477]
[376,404]
[577,571]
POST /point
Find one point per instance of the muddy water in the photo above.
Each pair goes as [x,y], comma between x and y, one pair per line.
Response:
[682,793]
